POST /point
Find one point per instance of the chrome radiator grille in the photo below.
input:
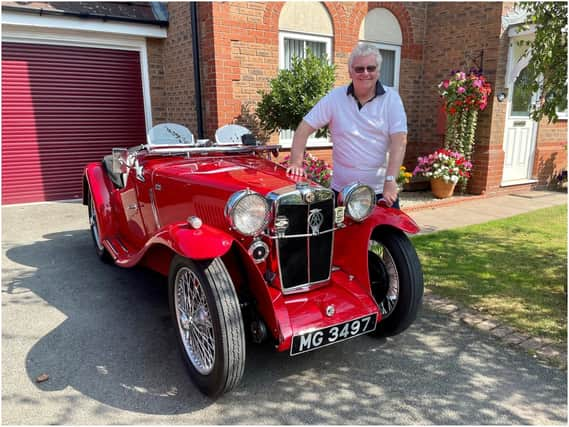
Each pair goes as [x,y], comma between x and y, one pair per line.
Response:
[304,249]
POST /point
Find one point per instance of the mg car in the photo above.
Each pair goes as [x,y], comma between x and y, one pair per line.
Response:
[249,251]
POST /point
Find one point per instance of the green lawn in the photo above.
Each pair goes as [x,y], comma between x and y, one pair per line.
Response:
[514,269]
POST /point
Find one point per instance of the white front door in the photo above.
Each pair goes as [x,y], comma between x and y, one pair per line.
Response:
[520,133]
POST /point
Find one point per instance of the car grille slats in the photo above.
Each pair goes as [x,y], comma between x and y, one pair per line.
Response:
[305,249]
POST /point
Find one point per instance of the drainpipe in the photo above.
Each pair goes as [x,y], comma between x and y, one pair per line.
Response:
[197,76]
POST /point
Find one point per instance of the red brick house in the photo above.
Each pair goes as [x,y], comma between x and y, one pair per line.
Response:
[80,78]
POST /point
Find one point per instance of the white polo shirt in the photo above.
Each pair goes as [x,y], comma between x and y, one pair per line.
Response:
[360,137]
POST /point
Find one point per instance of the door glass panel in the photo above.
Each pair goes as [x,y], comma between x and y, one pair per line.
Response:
[522,96]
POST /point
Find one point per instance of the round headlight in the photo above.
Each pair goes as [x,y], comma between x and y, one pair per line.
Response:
[247,212]
[358,200]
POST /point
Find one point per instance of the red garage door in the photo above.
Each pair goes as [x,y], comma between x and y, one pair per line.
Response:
[63,107]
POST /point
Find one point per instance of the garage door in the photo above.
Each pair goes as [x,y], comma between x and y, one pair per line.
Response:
[63,107]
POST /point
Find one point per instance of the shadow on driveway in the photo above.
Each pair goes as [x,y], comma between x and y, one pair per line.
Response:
[117,346]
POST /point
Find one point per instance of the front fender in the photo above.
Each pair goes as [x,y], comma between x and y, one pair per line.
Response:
[99,186]
[396,218]
[351,242]
[207,242]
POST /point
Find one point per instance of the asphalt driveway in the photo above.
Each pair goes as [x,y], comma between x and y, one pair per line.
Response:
[103,336]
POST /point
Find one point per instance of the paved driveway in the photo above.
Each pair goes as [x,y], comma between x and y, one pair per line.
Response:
[103,336]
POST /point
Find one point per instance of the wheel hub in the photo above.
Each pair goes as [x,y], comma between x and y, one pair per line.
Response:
[185,321]
[384,278]
[202,316]
[379,277]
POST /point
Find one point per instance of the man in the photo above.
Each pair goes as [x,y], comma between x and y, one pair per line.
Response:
[366,122]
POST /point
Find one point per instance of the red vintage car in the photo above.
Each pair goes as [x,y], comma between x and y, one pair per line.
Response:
[250,251]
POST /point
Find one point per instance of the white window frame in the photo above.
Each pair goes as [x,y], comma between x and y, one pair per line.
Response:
[397,64]
[312,141]
[562,115]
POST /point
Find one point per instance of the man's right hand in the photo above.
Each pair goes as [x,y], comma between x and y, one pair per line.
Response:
[301,135]
[295,170]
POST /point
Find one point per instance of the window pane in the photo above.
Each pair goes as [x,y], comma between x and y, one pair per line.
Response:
[521,99]
[287,134]
[387,76]
[292,48]
[317,48]
[297,48]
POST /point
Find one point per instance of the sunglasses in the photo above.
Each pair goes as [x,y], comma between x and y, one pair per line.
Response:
[369,68]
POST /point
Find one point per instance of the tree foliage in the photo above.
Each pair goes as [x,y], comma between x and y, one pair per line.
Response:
[294,92]
[547,68]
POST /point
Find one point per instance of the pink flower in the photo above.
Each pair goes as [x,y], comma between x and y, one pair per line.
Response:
[446,83]
[461,90]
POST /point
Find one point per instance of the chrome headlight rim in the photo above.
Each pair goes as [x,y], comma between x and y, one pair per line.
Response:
[345,196]
[231,207]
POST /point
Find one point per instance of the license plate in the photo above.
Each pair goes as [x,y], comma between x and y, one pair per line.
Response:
[312,340]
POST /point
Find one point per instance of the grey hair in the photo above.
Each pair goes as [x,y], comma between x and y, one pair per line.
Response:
[365,50]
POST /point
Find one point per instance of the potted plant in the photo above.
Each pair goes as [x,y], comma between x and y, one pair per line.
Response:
[444,168]
[403,178]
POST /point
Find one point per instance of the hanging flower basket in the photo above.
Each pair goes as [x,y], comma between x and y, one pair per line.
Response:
[463,94]
[442,189]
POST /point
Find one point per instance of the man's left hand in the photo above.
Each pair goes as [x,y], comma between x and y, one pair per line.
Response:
[390,192]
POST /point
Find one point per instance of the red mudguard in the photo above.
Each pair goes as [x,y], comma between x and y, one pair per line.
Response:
[354,240]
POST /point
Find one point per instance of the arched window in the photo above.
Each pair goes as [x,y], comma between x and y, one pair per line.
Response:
[302,26]
[381,29]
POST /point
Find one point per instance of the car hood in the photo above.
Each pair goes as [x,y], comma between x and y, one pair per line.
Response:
[224,173]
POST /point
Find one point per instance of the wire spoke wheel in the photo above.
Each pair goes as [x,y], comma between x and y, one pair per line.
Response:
[385,279]
[209,325]
[396,280]
[194,320]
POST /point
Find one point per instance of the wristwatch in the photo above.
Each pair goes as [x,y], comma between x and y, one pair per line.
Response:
[389,178]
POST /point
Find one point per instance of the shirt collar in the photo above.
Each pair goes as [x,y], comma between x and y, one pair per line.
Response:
[379,89]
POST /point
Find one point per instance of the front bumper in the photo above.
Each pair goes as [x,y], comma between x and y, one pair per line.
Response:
[300,313]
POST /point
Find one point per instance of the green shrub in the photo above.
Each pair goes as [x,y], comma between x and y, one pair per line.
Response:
[294,92]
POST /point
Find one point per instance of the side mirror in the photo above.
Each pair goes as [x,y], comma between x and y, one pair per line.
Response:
[120,156]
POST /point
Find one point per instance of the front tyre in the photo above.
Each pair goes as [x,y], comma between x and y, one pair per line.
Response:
[396,280]
[208,323]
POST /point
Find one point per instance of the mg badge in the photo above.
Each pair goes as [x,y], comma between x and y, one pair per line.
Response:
[330,310]
[309,197]
[315,220]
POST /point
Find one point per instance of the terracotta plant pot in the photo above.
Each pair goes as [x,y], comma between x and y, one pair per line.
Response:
[442,189]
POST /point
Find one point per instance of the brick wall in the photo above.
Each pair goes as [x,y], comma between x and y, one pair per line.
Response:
[155,50]
[551,153]
[239,45]
[239,56]
[171,71]
[455,33]
[178,67]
